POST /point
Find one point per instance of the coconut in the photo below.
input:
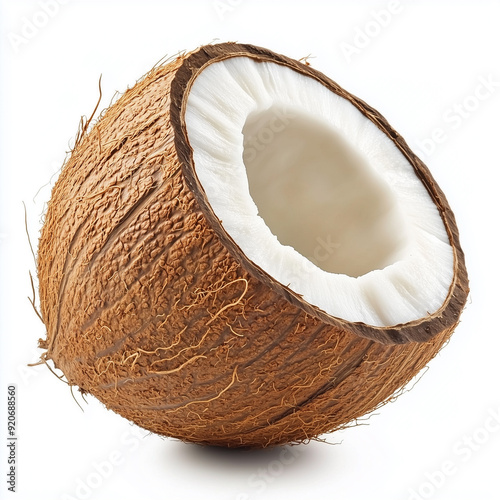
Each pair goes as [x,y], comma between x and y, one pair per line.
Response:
[241,253]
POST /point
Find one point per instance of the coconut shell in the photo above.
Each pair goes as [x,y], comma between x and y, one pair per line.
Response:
[150,305]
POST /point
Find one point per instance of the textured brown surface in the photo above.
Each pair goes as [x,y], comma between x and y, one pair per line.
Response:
[151,307]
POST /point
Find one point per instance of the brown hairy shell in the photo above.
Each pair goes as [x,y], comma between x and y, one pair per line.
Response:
[151,307]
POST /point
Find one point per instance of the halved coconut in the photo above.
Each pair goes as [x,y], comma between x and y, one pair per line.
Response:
[242,253]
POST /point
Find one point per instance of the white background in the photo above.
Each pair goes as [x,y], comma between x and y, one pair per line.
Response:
[420,67]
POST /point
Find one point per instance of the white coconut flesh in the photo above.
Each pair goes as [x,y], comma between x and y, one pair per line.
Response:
[317,195]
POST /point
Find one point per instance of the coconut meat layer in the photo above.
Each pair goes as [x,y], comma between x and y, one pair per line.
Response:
[317,195]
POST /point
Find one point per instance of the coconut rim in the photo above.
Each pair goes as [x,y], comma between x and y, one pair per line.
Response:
[419,330]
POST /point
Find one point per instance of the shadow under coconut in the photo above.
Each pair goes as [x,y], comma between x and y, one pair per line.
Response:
[242,458]
[251,471]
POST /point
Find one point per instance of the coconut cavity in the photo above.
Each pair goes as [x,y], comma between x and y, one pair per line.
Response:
[316,194]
